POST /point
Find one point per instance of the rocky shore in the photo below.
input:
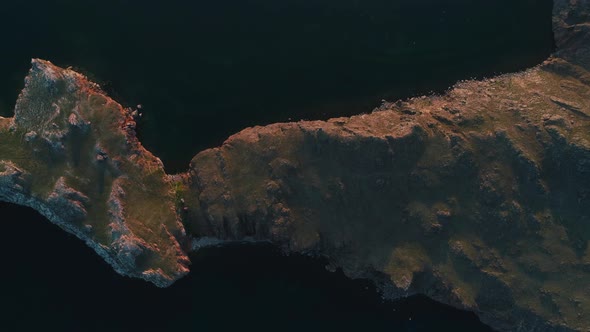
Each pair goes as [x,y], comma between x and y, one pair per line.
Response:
[479,198]
[71,153]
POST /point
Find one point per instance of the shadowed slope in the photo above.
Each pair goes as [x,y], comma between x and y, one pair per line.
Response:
[479,198]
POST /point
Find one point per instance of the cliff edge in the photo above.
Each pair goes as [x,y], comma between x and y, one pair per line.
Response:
[71,153]
[479,198]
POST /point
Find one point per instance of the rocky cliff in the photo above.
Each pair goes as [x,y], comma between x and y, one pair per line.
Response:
[71,153]
[479,198]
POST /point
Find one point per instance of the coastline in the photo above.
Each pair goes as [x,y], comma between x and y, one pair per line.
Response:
[275,183]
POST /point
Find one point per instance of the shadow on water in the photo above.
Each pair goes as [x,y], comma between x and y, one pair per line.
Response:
[206,69]
[50,282]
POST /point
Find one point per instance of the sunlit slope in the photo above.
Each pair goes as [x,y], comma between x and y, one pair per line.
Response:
[71,153]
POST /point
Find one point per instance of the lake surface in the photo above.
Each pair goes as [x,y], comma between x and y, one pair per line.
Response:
[205,70]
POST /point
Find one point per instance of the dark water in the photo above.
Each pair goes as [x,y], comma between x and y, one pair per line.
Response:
[50,282]
[204,70]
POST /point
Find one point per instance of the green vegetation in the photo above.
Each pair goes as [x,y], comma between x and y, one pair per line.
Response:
[86,139]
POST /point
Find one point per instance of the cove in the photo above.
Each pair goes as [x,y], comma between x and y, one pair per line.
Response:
[204,70]
[52,282]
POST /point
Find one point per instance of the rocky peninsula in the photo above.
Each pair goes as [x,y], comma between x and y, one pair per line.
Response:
[479,198]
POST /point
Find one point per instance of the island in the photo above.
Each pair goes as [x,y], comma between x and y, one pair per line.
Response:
[478,198]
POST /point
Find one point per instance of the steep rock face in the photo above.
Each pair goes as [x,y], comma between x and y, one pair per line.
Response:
[571,24]
[479,198]
[71,153]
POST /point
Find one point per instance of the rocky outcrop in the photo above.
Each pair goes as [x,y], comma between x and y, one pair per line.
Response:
[479,198]
[571,24]
[71,153]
